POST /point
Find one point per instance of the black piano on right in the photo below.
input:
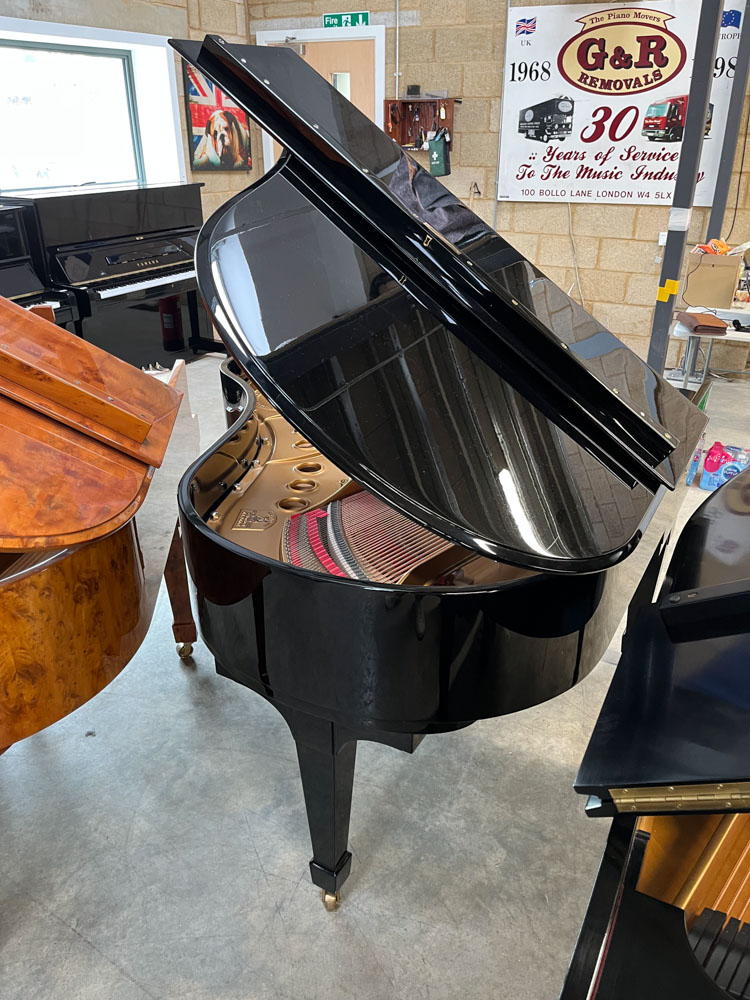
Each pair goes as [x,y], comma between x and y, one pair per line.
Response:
[669,759]
[447,480]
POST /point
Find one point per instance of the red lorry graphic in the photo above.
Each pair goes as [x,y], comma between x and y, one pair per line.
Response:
[665,119]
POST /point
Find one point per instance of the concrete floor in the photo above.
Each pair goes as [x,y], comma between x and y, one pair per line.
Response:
[154,843]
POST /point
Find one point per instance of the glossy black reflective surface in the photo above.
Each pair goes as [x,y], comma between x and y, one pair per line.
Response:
[117,260]
[344,660]
[22,267]
[79,216]
[13,241]
[400,402]
[679,712]
[714,547]
[403,659]
[446,375]
[398,214]
[633,945]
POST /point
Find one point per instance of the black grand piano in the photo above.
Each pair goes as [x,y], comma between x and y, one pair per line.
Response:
[124,255]
[23,276]
[445,481]
[669,760]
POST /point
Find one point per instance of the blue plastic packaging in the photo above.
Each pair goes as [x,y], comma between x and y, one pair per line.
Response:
[695,461]
[734,467]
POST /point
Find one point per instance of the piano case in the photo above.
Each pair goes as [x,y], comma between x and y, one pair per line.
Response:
[80,435]
[417,386]
[669,759]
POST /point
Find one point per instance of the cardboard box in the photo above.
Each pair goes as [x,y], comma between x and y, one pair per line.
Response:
[711,280]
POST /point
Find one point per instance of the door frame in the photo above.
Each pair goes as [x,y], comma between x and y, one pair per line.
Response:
[374,31]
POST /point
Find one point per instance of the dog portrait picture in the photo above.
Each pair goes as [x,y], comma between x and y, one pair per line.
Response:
[219,131]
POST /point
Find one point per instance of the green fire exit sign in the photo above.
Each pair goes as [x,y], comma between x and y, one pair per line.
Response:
[354,19]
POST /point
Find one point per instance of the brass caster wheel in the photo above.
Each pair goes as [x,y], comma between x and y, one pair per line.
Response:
[331,900]
[185,650]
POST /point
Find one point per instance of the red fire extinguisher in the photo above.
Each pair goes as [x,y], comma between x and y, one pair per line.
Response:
[171,323]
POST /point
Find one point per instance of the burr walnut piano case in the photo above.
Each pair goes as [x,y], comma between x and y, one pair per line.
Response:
[80,436]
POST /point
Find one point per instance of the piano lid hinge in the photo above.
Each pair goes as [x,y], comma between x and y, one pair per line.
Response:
[734,795]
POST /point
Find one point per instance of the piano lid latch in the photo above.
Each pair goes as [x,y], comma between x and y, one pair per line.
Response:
[734,795]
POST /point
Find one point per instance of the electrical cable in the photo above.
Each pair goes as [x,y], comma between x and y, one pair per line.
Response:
[575,254]
[700,256]
[739,178]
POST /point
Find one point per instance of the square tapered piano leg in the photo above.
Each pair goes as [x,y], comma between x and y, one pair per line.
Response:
[327,780]
[327,752]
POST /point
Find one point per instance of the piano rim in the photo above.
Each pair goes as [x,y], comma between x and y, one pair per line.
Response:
[573,568]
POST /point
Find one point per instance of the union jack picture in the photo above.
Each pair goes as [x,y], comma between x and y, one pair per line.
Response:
[526,26]
[218,130]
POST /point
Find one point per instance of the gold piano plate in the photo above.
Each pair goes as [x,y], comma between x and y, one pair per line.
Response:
[279,482]
[733,795]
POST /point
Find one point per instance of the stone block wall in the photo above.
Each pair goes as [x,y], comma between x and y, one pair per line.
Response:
[458,45]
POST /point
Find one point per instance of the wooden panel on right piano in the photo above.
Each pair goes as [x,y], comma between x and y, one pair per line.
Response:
[669,758]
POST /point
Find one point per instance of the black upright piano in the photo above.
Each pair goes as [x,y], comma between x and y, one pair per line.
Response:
[23,276]
[444,480]
[125,254]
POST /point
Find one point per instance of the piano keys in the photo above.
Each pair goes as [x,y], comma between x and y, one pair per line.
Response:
[444,480]
[669,759]
[126,256]
[90,454]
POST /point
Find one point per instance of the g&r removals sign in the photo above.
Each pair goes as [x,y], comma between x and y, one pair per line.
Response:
[628,50]
[595,100]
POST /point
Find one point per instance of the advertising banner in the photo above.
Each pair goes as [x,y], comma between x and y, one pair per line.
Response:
[595,98]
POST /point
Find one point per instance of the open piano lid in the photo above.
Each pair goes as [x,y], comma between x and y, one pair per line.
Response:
[415,347]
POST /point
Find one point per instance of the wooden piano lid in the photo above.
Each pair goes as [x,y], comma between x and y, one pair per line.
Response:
[80,433]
